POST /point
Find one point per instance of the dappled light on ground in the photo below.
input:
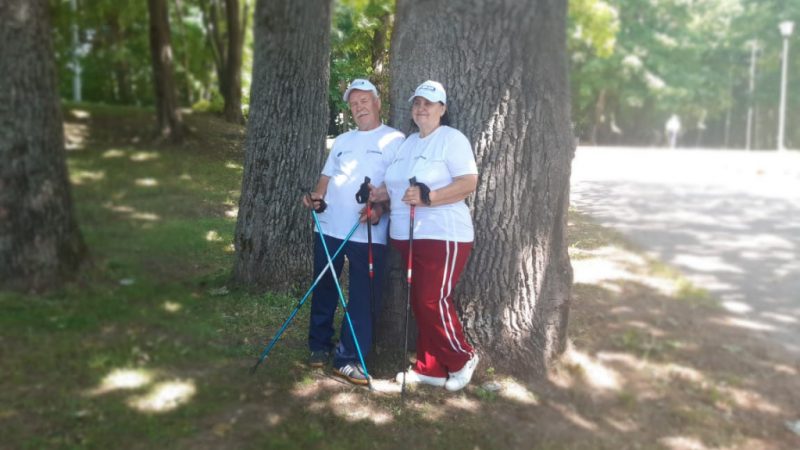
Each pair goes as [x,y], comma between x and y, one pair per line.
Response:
[122,379]
[142,156]
[114,153]
[591,370]
[132,212]
[146,182]
[164,396]
[80,177]
[172,307]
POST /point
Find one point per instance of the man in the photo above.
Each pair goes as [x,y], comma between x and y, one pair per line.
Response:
[363,152]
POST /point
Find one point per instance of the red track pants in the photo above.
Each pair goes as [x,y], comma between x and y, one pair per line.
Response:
[437,265]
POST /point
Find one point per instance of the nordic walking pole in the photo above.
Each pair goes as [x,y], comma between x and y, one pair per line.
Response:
[341,298]
[412,182]
[362,196]
[322,273]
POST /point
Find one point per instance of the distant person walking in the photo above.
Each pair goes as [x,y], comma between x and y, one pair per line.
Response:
[673,127]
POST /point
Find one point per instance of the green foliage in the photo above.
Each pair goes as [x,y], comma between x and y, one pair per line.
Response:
[354,26]
[670,56]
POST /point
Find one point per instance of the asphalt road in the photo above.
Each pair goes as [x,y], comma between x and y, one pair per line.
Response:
[728,220]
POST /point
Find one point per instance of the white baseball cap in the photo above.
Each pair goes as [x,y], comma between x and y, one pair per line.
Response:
[360,84]
[432,90]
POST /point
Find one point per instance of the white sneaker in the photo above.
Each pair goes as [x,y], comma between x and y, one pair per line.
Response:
[458,380]
[415,378]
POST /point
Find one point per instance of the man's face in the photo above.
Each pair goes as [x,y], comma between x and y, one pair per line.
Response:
[366,109]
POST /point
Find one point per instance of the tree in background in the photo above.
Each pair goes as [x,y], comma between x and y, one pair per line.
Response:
[40,244]
[285,142]
[226,45]
[170,122]
[504,65]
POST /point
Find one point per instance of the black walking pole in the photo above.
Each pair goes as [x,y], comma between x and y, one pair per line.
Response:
[362,196]
[412,182]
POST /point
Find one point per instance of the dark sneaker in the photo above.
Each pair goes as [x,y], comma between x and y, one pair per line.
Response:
[352,373]
[319,358]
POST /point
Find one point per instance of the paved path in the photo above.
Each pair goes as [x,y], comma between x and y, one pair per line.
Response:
[729,220]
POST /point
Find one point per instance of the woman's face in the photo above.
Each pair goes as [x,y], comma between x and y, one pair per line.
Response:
[427,114]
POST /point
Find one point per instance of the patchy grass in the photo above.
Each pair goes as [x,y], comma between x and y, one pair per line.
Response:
[151,349]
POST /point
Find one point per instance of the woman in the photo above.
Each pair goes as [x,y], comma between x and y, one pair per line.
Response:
[441,160]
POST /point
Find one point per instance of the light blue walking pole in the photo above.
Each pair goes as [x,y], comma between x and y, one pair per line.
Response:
[341,299]
[303,300]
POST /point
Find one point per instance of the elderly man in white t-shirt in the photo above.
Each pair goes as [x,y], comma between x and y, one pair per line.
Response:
[363,152]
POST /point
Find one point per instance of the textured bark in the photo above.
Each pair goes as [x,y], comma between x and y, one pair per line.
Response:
[170,123]
[40,245]
[504,66]
[285,142]
[233,64]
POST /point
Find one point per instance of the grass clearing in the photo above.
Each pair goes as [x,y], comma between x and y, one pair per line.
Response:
[150,348]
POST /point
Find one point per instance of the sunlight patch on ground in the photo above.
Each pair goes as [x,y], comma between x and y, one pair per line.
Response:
[574,416]
[233,165]
[736,307]
[606,266]
[743,323]
[353,408]
[82,176]
[213,236]
[185,177]
[682,443]
[75,134]
[592,370]
[164,396]
[705,264]
[172,307]
[512,390]
[463,403]
[122,379]
[783,318]
[146,182]
[232,213]
[144,156]
[113,153]
[132,212]
[751,400]
[624,425]
[80,114]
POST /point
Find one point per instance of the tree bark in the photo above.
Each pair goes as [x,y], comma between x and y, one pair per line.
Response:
[285,142]
[40,244]
[170,123]
[233,64]
[504,66]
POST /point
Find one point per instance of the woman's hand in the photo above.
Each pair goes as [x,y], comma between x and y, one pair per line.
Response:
[378,194]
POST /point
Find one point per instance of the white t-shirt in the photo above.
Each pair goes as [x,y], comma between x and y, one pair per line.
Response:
[435,160]
[354,155]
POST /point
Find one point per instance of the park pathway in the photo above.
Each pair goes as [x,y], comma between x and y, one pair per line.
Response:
[728,220]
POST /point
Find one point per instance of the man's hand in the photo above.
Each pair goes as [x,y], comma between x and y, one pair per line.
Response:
[377,212]
[313,200]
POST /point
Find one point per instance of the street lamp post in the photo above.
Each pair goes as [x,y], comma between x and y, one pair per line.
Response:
[786,27]
[753,53]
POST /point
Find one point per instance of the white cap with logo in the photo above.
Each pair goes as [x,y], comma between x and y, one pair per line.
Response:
[432,90]
[360,84]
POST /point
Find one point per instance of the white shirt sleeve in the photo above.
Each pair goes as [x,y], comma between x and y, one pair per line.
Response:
[459,158]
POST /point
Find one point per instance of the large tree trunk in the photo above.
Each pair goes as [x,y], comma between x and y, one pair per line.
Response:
[505,68]
[285,142]
[233,64]
[170,123]
[40,244]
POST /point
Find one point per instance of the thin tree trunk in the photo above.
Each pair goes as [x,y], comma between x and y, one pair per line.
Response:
[380,57]
[170,123]
[40,244]
[233,65]
[285,142]
[505,68]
